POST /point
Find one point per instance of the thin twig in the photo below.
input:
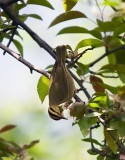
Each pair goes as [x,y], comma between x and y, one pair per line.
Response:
[8,29]
[71,63]
[106,54]
[78,90]
[99,8]
[81,85]
[77,98]
[100,74]
[95,126]
[25,62]
[101,153]
[11,38]
[92,145]
[120,145]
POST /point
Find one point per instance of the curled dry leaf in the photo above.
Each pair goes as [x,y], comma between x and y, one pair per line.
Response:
[77,109]
[97,84]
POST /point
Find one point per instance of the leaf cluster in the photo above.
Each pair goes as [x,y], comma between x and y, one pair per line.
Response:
[106,107]
[11,149]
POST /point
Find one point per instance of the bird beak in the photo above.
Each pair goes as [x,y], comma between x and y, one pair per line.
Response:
[62,117]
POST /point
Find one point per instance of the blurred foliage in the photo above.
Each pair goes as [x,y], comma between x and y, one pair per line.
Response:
[11,149]
[106,106]
[33,124]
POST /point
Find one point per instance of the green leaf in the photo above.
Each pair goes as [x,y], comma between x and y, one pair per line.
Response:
[112,59]
[102,99]
[118,123]
[77,29]
[111,3]
[8,148]
[96,33]
[91,140]
[25,16]
[18,46]
[40,2]
[89,42]
[4,35]
[113,68]
[117,56]
[1,36]
[121,90]
[110,141]
[108,26]
[18,34]
[107,158]
[94,105]
[50,67]
[73,29]
[67,16]
[5,16]
[4,26]
[91,152]
[120,57]
[43,87]
[122,77]
[1,21]
[119,30]
[19,7]
[112,89]
[82,69]
[69,4]
[100,157]
[33,16]
[85,123]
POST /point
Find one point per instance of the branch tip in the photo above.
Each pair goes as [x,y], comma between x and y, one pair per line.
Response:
[31,70]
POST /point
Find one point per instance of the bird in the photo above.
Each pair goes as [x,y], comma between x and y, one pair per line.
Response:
[61,87]
[54,113]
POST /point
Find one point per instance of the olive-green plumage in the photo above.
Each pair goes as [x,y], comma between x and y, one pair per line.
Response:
[61,87]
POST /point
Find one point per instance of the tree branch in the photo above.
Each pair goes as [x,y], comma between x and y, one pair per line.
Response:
[7,2]
[106,54]
[100,152]
[71,63]
[25,62]
[120,145]
[100,74]
[77,98]
[17,21]
[81,85]
[39,41]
